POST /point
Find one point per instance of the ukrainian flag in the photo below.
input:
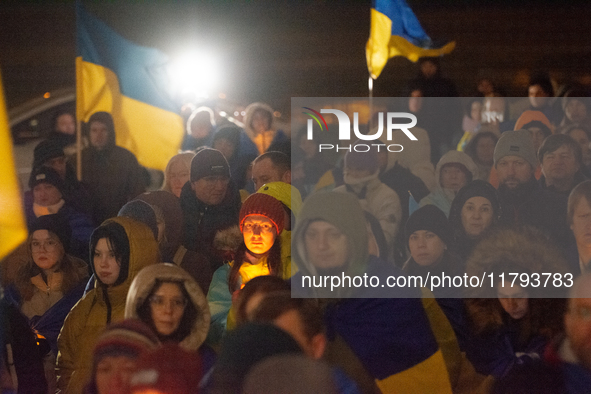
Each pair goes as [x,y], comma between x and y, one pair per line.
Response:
[396,31]
[13,230]
[130,82]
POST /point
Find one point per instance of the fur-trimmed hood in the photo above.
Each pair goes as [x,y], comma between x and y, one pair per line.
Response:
[143,285]
[523,250]
[249,113]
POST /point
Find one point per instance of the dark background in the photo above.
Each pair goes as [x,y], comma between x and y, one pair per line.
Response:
[273,50]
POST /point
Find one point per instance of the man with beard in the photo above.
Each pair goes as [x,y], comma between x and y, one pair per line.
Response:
[523,200]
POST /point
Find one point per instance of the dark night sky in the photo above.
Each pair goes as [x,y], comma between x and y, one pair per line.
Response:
[273,50]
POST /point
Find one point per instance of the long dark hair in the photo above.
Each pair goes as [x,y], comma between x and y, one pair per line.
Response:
[118,243]
[187,321]
[273,261]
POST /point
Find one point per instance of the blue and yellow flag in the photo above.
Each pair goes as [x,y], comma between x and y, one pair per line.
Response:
[131,82]
[396,31]
[13,230]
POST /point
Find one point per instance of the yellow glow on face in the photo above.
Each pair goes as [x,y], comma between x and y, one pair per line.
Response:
[259,234]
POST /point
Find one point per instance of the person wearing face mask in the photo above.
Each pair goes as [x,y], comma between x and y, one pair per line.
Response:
[474,213]
[120,248]
[261,221]
[171,303]
[454,170]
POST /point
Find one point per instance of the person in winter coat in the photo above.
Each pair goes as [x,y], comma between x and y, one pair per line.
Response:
[200,126]
[376,351]
[111,173]
[177,173]
[582,135]
[579,218]
[261,222]
[258,126]
[362,179]
[562,164]
[237,149]
[210,202]
[474,213]
[48,285]
[566,363]
[511,322]
[454,170]
[171,303]
[481,149]
[121,247]
[115,356]
[48,199]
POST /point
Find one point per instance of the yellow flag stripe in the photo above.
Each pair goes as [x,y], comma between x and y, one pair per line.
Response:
[154,135]
[13,230]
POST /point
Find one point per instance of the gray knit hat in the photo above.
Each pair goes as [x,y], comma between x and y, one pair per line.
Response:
[516,143]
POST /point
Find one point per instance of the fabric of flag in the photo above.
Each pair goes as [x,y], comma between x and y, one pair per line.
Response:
[131,82]
[13,230]
[396,31]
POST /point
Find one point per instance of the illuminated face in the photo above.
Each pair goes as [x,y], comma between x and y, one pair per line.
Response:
[582,139]
[452,177]
[514,300]
[537,96]
[66,124]
[225,146]
[211,190]
[264,171]
[426,248]
[477,216]
[45,194]
[560,164]
[581,223]
[178,175]
[46,249]
[326,246]
[58,164]
[106,266]
[513,171]
[260,121]
[113,374]
[259,234]
[575,111]
[485,150]
[167,306]
[577,323]
[99,135]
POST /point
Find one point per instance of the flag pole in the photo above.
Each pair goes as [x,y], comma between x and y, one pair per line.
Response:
[370,87]
[79,114]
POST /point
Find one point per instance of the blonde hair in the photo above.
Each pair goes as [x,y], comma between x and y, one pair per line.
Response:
[185,158]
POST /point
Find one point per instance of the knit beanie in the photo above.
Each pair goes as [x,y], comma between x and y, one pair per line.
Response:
[56,224]
[362,160]
[516,143]
[429,218]
[263,205]
[45,174]
[142,212]
[46,150]
[476,188]
[209,162]
[169,369]
[130,337]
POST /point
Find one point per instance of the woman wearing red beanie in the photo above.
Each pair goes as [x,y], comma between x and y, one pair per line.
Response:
[261,220]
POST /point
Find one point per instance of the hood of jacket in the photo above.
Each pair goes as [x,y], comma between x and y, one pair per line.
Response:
[143,285]
[143,251]
[343,211]
[250,110]
[106,119]
[173,216]
[519,250]
[530,116]
[286,193]
[454,156]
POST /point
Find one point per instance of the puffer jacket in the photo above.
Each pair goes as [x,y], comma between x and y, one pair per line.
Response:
[143,285]
[99,307]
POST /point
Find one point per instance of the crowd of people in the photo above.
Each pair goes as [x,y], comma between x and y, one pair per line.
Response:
[200,286]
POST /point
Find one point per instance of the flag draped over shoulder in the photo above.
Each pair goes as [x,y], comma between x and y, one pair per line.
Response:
[13,230]
[131,83]
[396,31]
